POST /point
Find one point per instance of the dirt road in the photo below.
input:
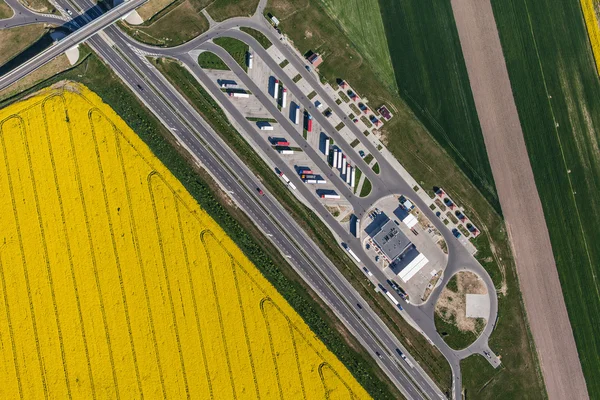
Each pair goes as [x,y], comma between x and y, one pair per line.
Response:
[519,199]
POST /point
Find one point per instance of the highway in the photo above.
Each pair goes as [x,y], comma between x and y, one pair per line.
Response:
[73,39]
[303,254]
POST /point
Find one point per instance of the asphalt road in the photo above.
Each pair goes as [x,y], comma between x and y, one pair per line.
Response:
[267,213]
[24,16]
[69,41]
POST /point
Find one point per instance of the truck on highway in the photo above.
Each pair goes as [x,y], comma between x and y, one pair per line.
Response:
[285,178]
[402,356]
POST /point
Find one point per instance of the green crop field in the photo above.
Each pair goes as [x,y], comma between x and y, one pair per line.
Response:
[361,21]
[557,92]
[433,80]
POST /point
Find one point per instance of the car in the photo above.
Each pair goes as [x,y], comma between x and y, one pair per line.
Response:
[69,12]
[308,68]
[456,233]
[361,153]
[358,305]
[376,258]
[367,246]
[379,355]
[260,191]
[355,120]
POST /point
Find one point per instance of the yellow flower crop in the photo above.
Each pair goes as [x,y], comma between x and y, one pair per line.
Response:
[114,283]
[591,22]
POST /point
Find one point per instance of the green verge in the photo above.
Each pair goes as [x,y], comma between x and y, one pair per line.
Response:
[362,21]
[5,10]
[556,89]
[158,30]
[454,337]
[433,80]
[209,60]
[100,79]
[376,168]
[262,39]
[236,48]
[366,188]
[368,158]
[417,150]
[428,356]
[220,10]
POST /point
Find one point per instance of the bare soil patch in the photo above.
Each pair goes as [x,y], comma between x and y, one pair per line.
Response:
[452,305]
[526,225]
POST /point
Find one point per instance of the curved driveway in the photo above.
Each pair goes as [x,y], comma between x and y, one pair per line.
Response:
[24,16]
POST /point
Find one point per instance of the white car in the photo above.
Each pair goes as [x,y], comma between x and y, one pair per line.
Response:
[69,12]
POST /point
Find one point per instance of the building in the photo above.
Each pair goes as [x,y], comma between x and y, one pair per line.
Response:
[390,240]
[315,59]
[408,264]
[385,113]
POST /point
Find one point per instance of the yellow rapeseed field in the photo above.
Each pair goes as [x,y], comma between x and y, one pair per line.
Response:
[591,22]
[115,284]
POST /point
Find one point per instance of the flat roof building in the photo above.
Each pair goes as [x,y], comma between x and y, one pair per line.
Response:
[409,264]
[390,240]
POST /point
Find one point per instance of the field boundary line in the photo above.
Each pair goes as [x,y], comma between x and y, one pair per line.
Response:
[271,345]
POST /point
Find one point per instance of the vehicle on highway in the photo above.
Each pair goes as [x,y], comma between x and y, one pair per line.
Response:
[358,305]
[260,191]
[69,11]
[379,355]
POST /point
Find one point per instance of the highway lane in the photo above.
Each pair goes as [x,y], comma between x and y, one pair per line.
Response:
[69,41]
[342,307]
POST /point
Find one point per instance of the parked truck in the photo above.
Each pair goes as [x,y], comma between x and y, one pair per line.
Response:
[285,151]
[353,254]
[326,146]
[284,98]
[353,179]
[297,115]
[239,94]
[276,89]
[330,196]
[265,126]
[309,123]
[282,143]
[250,60]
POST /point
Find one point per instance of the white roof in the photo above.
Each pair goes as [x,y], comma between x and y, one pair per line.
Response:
[410,221]
[275,20]
[408,204]
[411,269]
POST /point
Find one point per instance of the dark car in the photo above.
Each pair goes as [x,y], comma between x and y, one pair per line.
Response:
[456,233]
[260,191]
[358,305]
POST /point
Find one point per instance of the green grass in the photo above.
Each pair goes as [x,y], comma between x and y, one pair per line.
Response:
[354,108]
[209,60]
[366,121]
[479,374]
[5,10]
[346,99]
[368,158]
[548,54]
[262,39]
[453,284]
[366,188]
[236,48]
[454,337]
[283,64]
[362,21]
[256,119]
[357,178]
[433,80]
[159,30]
[339,126]
[355,143]
[376,168]
[311,95]
[297,78]
[338,101]
[220,10]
